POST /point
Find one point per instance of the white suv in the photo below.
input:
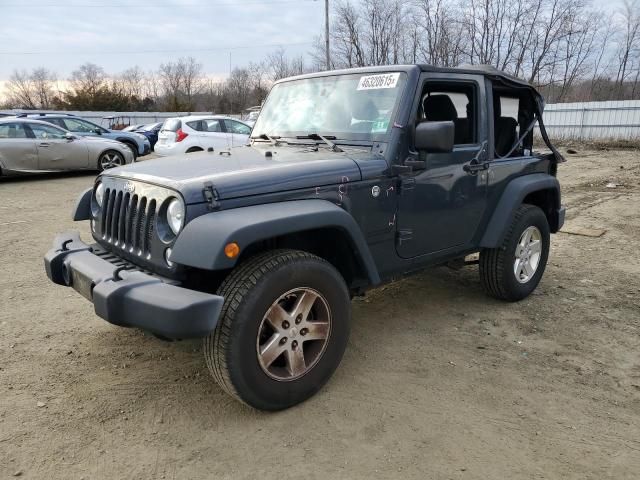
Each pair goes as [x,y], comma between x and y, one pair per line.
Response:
[200,133]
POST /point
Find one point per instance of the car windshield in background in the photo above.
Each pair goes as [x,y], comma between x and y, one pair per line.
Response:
[349,107]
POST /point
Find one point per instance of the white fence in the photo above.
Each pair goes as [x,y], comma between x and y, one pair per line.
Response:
[615,120]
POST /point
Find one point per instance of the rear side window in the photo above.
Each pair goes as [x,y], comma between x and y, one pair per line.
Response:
[13,130]
[172,125]
[76,125]
[197,125]
[56,121]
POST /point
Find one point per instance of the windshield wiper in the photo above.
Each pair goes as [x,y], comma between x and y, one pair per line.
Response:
[274,140]
[327,140]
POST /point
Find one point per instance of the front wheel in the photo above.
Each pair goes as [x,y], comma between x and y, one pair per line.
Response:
[513,270]
[282,331]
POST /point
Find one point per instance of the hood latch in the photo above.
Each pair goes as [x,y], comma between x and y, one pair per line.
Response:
[211,196]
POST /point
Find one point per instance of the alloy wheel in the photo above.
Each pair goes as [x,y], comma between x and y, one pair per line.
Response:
[293,334]
[110,160]
[527,254]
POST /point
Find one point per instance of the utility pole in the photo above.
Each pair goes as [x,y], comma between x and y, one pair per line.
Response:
[326,32]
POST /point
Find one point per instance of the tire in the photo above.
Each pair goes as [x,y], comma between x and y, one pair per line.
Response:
[243,330]
[498,265]
[133,148]
[110,159]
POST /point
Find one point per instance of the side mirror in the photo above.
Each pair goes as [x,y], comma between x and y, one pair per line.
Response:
[98,131]
[70,136]
[435,137]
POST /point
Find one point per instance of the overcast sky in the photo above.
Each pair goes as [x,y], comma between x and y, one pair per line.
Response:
[118,34]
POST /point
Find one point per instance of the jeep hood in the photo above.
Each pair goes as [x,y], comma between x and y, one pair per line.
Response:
[245,171]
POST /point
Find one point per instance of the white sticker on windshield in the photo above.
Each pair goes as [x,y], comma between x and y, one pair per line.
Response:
[372,82]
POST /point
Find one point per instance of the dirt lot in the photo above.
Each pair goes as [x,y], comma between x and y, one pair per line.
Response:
[438,382]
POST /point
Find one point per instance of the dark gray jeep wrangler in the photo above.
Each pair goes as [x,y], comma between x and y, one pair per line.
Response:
[352,178]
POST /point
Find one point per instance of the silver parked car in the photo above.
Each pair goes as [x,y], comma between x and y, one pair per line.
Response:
[31,146]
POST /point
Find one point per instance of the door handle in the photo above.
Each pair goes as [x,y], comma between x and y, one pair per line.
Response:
[473,167]
[44,144]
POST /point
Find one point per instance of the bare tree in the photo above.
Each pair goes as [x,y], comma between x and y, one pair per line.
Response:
[347,37]
[132,82]
[440,37]
[180,82]
[628,43]
[192,77]
[279,65]
[88,79]
[32,90]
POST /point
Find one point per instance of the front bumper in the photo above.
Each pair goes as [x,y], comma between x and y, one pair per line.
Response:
[131,298]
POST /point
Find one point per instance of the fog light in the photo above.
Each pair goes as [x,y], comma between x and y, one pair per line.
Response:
[167,256]
[231,250]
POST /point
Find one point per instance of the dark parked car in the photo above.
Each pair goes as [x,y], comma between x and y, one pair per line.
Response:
[353,178]
[151,132]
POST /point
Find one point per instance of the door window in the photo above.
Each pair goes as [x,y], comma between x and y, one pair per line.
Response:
[47,132]
[213,126]
[13,130]
[457,103]
[237,127]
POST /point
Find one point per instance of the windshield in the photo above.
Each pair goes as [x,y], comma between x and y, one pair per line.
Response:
[352,107]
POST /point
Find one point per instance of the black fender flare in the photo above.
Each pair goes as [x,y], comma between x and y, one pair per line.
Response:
[82,209]
[201,243]
[511,199]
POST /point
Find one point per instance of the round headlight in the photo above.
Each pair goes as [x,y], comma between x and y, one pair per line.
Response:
[99,194]
[175,215]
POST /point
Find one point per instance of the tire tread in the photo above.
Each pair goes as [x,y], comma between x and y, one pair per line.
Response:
[493,261]
[234,288]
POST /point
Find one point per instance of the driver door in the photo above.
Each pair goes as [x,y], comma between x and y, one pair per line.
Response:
[56,151]
[441,205]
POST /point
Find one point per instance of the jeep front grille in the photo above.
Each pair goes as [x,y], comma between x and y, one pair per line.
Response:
[128,221]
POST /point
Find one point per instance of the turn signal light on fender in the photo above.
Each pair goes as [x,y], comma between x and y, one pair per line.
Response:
[231,250]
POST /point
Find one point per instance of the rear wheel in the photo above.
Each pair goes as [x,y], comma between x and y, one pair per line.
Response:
[512,271]
[110,159]
[282,331]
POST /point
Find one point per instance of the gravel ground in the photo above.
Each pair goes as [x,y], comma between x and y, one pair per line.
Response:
[439,381]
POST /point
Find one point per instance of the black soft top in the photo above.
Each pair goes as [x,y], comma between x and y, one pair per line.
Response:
[498,77]
[487,70]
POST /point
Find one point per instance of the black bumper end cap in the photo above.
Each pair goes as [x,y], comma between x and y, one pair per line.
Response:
[63,245]
[165,310]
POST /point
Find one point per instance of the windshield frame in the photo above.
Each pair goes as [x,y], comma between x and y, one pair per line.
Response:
[336,136]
